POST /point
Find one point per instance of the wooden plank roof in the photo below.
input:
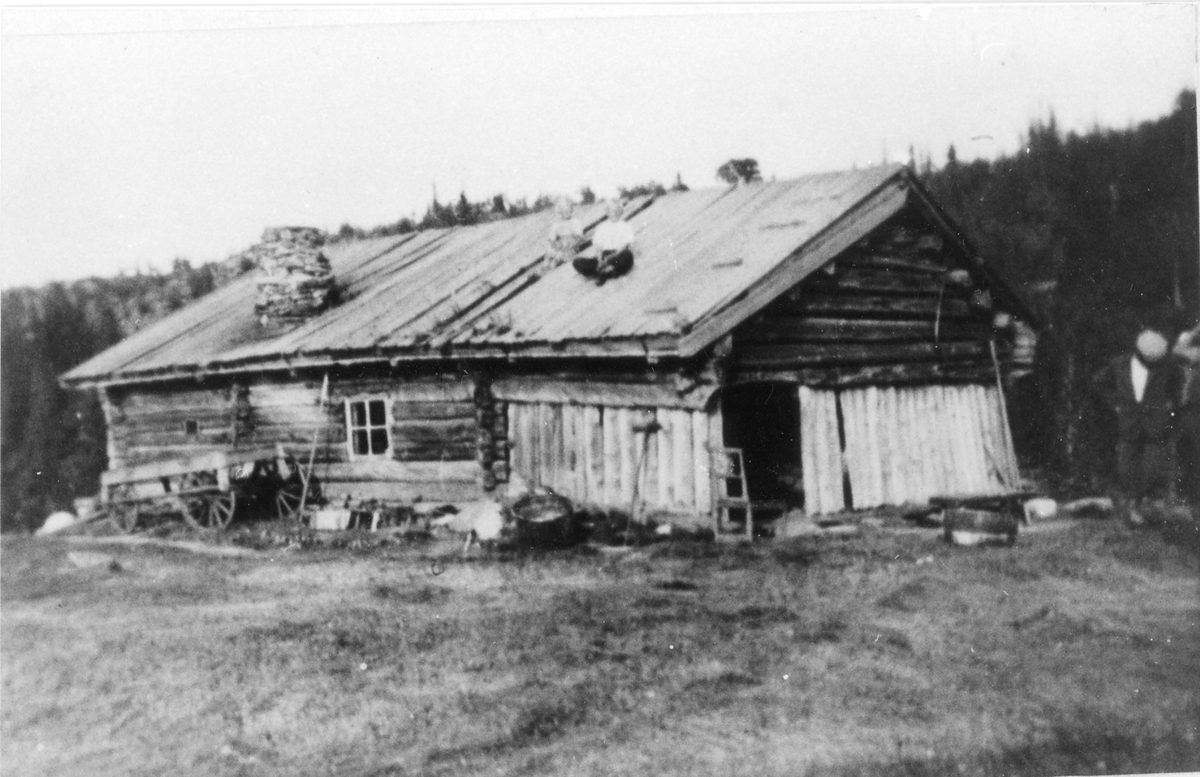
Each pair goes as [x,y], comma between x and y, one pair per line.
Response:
[705,259]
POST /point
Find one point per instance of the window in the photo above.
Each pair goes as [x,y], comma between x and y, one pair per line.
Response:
[367,427]
[191,428]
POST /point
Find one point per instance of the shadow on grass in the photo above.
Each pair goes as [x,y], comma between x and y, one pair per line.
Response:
[543,713]
[1066,751]
[720,691]
[425,594]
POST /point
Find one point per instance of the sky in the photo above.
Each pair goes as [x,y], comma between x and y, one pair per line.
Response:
[132,136]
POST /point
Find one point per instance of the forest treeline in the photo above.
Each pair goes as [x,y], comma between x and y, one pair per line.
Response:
[1096,230]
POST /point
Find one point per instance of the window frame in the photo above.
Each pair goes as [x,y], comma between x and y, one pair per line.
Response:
[350,427]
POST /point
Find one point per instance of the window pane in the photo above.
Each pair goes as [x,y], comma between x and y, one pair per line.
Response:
[378,413]
[379,441]
[358,414]
[360,442]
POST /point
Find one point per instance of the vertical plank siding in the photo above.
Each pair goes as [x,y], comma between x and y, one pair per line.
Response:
[903,444]
[595,455]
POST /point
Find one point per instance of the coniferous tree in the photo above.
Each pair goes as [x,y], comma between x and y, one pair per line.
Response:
[737,171]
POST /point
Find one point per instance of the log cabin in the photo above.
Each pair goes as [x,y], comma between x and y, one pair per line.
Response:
[837,328]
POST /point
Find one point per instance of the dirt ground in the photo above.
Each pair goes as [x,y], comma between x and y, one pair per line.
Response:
[1077,651]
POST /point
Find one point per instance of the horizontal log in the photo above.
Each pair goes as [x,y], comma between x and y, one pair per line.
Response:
[304,437]
[908,261]
[298,399]
[141,454]
[439,430]
[206,438]
[169,429]
[173,414]
[417,410]
[413,441]
[176,409]
[302,423]
[403,450]
[171,400]
[878,281]
[597,392]
[876,305]
[443,492]
[400,389]
[873,374]
[363,470]
[295,418]
[582,371]
[461,451]
[844,353]
[819,329]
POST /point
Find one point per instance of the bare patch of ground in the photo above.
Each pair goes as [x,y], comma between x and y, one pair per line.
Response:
[1074,652]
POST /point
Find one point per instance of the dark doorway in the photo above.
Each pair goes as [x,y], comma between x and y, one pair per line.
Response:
[763,419]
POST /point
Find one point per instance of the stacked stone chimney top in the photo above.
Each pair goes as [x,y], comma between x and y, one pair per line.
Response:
[295,280]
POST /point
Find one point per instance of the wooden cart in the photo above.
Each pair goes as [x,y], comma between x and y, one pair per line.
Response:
[205,489]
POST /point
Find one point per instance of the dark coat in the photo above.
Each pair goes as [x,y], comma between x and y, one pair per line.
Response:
[1152,419]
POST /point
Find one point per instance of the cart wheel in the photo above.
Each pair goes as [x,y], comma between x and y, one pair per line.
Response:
[125,516]
[210,509]
[220,510]
[287,504]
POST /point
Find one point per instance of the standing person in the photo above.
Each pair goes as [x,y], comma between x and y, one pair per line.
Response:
[1141,389]
[1187,349]
[612,243]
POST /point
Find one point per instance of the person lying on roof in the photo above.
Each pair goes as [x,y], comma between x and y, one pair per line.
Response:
[612,246]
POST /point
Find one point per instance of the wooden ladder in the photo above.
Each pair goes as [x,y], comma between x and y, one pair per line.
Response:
[728,468]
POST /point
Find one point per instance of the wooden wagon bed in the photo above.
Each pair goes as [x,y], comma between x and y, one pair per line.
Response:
[204,488]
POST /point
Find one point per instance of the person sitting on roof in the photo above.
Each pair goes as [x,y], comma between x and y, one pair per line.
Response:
[566,236]
[612,244]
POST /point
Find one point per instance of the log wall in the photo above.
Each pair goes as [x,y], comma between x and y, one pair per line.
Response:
[898,307]
[433,451]
[152,424]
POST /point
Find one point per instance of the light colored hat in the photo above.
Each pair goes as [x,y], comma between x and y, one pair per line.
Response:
[1151,345]
[615,209]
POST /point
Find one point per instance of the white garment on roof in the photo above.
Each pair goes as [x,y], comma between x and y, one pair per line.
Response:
[612,236]
[1140,375]
[566,234]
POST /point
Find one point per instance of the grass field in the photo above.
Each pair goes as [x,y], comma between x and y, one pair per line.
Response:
[1077,651]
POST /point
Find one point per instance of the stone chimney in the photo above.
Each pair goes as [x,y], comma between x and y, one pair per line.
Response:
[295,281]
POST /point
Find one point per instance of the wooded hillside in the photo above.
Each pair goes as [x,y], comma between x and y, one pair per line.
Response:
[1097,230]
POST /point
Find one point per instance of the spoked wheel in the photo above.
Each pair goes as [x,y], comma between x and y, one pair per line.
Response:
[220,510]
[206,506]
[124,515]
[287,502]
